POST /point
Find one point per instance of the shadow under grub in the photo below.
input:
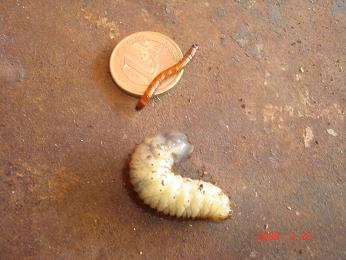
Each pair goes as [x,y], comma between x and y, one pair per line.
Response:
[147,209]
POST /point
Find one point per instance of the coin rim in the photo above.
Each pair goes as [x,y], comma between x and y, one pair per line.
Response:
[159,91]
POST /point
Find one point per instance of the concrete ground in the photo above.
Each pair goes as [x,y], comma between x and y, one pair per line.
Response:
[263,103]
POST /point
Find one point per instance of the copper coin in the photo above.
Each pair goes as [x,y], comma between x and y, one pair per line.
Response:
[139,57]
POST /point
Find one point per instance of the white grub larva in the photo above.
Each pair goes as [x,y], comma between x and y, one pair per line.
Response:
[153,179]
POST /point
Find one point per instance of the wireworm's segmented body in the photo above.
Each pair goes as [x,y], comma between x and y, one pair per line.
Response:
[152,178]
[150,91]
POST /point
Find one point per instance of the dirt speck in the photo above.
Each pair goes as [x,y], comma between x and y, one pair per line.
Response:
[332,132]
[253,254]
[338,7]
[275,12]
[102,22]
[247,4]
[251,42]
[169,7]
[308,136]
[11,71]
[219,12]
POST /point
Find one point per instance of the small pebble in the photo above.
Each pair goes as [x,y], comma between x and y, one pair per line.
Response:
[253,254]
[308,136]
[332,132]
[298,77]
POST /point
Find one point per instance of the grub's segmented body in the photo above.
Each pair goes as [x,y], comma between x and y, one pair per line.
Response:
[152,178]
[150,91]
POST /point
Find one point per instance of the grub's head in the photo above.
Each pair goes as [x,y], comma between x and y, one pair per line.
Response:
[174,142]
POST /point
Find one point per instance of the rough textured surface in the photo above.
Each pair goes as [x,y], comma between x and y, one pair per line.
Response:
[266,72]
